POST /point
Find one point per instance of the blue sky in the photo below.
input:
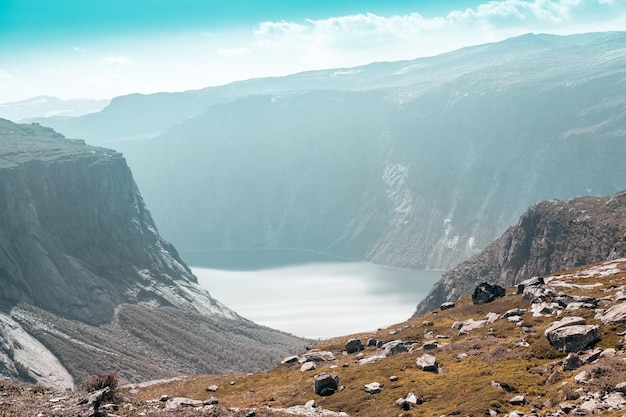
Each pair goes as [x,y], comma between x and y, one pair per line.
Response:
[105,48]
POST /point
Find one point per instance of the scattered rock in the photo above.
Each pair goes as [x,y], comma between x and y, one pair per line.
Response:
[371,359]
[572,362]
[371,342]
[428,323]
[530,282]
[394,347]
[429,335]
[502,385]
[373,388]
[468,325]
[447,305]
[404,404]
[354,345]
[486,293]
[393,378]
[317,356]
[289,359]
[432,345]
[212,388]
[310,404]
[515,312]
[308,366]
[325,384]
[178,402]
[518,400]
[428,363]
[211,401]
[621,387]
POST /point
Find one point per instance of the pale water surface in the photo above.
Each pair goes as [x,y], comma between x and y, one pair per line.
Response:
[321,299]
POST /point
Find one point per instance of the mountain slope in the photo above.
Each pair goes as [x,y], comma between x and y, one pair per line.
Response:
[416,164]
[83,269]
[551,236]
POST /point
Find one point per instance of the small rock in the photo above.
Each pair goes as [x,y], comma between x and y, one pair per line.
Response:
[413,399]
[608,353]
[212,388]
[513,313]
[447,305]
[289,359]
[572,362]
[325,384]
[427,323]
[373,388]
[428,363]
[308,366]
[429,335]
[310,404]
[433,345]
[393,378]
[211,401]
[371,342]
[164,398]
[394,347]
[354,345]
[518,400]
[621,387]
[404,404]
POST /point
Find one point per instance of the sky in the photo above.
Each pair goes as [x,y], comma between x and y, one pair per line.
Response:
[106,48]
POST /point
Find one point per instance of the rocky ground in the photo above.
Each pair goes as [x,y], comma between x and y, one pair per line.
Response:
[552,346]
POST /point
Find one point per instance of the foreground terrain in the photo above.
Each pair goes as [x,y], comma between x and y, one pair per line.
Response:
[490,358]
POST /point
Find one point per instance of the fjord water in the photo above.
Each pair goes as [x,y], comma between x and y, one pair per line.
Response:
[308,294]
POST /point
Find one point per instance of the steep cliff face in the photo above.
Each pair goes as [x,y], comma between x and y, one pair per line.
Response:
[551,236]
[78,246]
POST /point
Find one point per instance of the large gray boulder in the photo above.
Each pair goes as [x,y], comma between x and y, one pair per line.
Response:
[615,315]
[574,338]
[325,384]
[486,293]
[394,347]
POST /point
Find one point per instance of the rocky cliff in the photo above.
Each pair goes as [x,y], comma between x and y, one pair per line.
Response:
[551,236]
[84,271]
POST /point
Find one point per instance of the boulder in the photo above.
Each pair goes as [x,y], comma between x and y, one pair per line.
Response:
[212,388]
[615,315]
[289,359]
[447,305]
[394,347]
[513,312]
[565,321]
[317,356]
[404,404]
[371,359]
[486,293]
[468,325]
[325,384]
[372,342]
[432,345]
[518,400]
[572,362]
[308,366]
[428,363]
[373,388]
[530,282]
[354,345]
[574,338]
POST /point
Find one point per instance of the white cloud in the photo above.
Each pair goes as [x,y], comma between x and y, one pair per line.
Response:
[79,49]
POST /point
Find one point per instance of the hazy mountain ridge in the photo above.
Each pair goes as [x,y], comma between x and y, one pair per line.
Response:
[550,236]
[85,272]
[45,106]
[416,163]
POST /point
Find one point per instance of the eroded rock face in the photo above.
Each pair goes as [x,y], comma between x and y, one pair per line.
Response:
[76,238]
[551,236]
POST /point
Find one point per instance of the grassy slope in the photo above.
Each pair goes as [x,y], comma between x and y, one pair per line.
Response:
[464,386]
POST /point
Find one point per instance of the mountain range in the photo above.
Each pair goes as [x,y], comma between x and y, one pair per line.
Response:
[415,164]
